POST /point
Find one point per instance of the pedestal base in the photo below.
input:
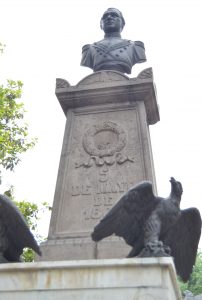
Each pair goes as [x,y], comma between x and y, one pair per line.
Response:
[83,248]
[128,279]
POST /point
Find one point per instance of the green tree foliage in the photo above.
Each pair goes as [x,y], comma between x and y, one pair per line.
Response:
[14,141]
[32,213]
[13,131]
[194,285]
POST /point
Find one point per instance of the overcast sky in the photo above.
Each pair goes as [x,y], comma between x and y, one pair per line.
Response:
[44,40]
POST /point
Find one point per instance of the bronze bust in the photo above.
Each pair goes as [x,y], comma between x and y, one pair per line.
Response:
[113,52]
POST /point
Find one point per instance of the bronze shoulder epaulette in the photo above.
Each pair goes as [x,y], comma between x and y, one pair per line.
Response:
[85,47]
[139,43]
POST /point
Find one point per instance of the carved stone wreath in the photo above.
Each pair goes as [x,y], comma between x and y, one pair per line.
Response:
[104,139]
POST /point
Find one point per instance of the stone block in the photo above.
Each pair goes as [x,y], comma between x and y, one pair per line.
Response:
[128,279]
[106,150]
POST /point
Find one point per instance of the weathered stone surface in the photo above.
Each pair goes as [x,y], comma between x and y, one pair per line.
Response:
[106,87]
[106,150]
[128,279]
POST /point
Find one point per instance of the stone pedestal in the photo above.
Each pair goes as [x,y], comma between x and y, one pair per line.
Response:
[106,150]
[128,279]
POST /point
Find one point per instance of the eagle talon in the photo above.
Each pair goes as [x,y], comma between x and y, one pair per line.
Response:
[146,222]
[155,249]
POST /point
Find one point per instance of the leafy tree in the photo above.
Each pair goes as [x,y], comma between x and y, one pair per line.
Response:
[194,285]
[13,142]
[32,213]
[13,131]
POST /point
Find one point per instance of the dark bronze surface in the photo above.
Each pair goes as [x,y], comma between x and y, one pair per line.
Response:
[113,52]
[154,226]
[15,234]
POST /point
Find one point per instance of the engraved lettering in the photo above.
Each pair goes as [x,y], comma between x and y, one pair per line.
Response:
[111,187]
[96,212]
[101,204]
[108,188]
[120,186]
[108,200]
[103,197]
[84,189]
[86,213]
[75,190]
[98,200]
[102,188]
[103,173]
[114,188]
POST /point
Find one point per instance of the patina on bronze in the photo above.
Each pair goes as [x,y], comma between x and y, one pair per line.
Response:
[155,226]
[113,52]
[15,234]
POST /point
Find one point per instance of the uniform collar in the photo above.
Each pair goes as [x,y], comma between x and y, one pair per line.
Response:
[112,34]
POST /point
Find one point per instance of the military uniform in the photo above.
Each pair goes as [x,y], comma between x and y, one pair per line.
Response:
[113,54]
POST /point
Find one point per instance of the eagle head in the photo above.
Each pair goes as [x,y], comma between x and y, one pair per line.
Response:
[176,187]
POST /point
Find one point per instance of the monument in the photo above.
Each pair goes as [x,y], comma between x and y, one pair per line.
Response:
[106,148]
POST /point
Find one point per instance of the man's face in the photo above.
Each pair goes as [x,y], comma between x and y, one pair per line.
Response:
[111,22]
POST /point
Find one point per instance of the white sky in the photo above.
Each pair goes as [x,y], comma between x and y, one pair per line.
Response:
[44,40]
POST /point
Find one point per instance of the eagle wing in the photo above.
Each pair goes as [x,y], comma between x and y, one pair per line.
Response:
[15,229]
[183,239]
[127,217]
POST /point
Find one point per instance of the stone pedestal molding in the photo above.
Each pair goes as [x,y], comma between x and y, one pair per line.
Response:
[106,150]
[128,279]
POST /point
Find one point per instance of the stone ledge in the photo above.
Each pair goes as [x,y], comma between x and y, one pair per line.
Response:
[128,279]
[106,87]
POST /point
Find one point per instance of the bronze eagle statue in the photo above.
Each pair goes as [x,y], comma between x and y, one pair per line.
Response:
[155,226]
[15,234]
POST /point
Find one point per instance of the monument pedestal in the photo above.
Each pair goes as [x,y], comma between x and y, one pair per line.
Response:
[106,150]
[128,279]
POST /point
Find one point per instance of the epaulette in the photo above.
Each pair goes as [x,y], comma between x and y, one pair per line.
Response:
[85,47]
[139,43]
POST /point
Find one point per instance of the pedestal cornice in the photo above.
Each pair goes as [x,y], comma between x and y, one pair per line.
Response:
[106,87]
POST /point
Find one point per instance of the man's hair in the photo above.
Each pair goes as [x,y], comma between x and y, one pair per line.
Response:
[113,10]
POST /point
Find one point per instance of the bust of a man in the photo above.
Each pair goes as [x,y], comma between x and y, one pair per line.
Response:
[113,52]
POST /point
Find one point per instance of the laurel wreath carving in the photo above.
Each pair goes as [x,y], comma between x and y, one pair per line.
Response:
[105,149]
